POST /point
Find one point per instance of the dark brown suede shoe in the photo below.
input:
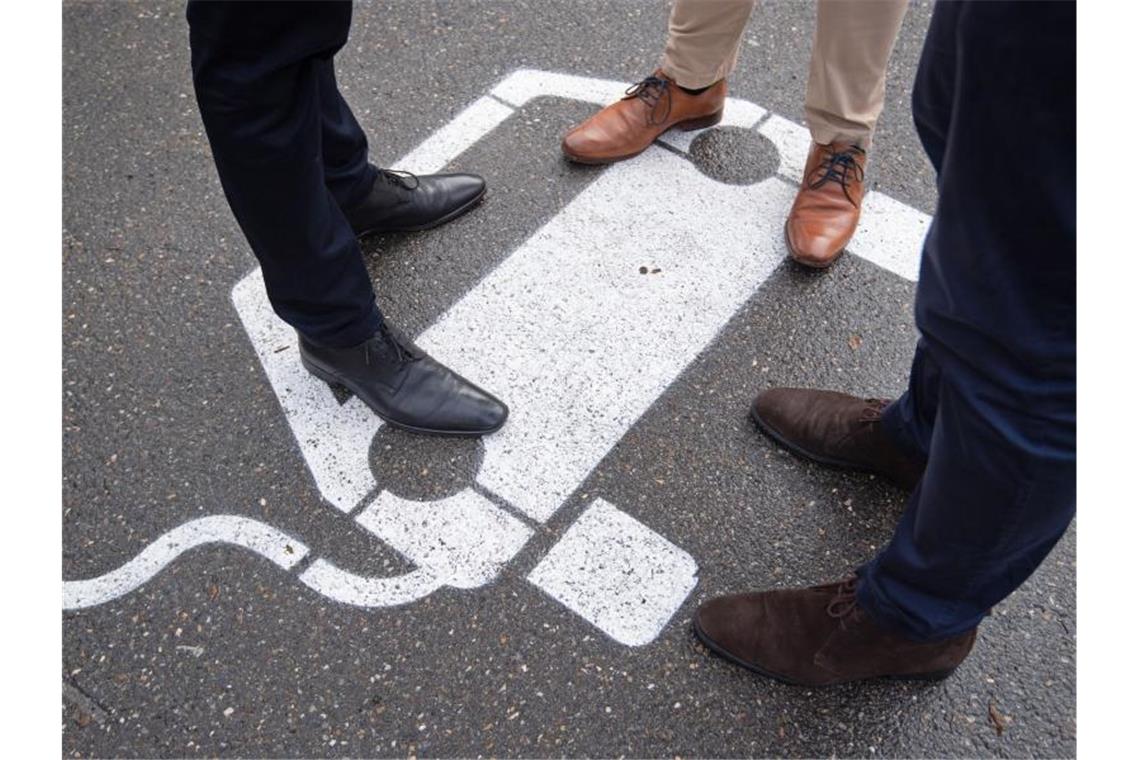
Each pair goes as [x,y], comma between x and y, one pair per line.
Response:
[819,636]
[837,430]
[826,210]
[651,107]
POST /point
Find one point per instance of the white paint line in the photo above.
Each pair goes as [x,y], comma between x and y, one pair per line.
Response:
[792,141]
[281,549]
[334,438]
[364,591]
[618,574]
[891,235]
[521,86]
[434,153]
[737,113]
[463,540]
[585,343]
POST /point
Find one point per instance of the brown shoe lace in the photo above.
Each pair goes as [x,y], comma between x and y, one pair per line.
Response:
[839,166]
[652,91]
[843,603]
[873,411]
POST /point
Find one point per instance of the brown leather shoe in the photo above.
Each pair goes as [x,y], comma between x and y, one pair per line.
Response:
[819,636]
[837,430]
[826,210]
[650,107]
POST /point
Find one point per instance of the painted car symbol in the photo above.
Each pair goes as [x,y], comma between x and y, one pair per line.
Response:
[581,358]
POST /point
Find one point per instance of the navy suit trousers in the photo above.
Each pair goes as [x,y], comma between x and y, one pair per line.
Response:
[991,404]
[290,155]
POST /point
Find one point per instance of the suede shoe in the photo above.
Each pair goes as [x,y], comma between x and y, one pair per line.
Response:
[406,387]
[826,210]
[651,107]
[819,636]
[403,202]
[836,430]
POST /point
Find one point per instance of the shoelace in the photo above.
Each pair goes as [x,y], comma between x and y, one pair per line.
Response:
[843,603]
[873,411]
[839,166]
[406,180]
[404,355]
[650,91]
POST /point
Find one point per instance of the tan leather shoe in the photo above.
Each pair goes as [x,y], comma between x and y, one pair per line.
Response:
[836,430]
[650,107]
[826,210]
[819,636]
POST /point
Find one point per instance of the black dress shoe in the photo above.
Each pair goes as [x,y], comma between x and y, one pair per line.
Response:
[403,202]
[405,386]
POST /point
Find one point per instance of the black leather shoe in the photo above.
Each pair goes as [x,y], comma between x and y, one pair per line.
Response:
[405,386]
[403,202]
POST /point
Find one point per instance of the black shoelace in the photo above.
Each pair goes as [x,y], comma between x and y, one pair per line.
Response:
[652,91]
[406,180]
[839,166]
[403,354]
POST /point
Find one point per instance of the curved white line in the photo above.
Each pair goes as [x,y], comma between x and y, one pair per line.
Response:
[363,591]
[278,547]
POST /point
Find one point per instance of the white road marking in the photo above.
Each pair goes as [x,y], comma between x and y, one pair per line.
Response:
[793,143]
[330,581]
[520,86]
[333,438]
[277,547]
[458,135]
[464,540]
[586,342]
[891,235]
[618,574]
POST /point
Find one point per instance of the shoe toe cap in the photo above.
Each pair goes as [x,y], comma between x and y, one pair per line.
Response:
[813,246]
[592,144]
[464,188]
[775,407]
[471,411]
[729,624]
[577,143]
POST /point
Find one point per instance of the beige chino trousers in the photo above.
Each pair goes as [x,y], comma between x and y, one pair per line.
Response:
[847,78]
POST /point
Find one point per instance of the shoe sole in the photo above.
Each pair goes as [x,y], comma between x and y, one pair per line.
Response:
[689,125]
[937,675]
[837,464]
[332,379]
[807,262]
[449,216]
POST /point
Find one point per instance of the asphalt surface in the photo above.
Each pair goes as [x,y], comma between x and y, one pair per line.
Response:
[167,417]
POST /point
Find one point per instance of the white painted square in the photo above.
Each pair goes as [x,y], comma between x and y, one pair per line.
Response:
[618,574]
[464,539]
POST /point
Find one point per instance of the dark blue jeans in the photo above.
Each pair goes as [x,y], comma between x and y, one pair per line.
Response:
[991,403]
[290,155]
